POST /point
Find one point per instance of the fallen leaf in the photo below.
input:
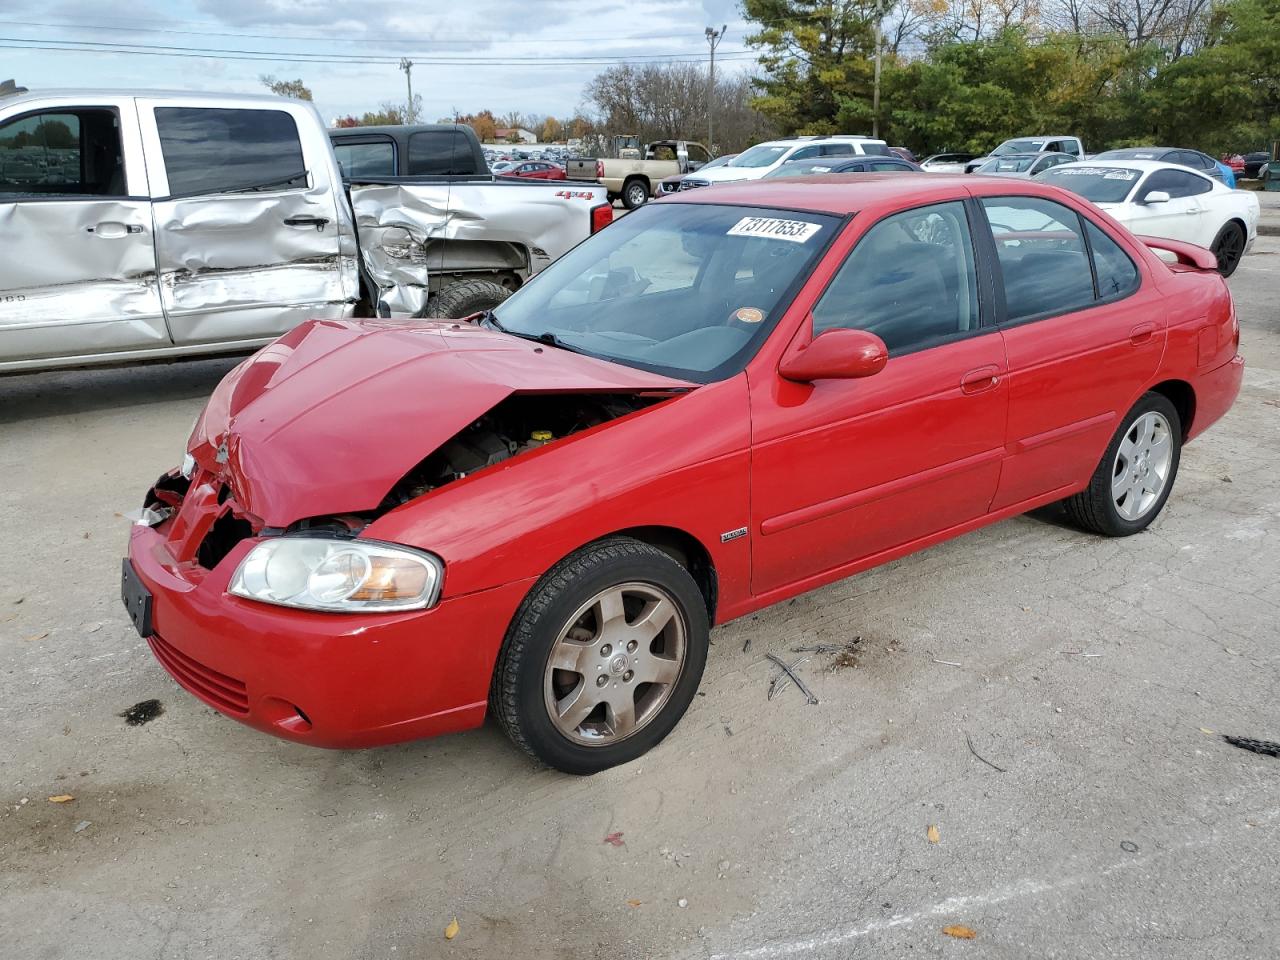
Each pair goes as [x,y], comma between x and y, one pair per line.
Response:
[932,833]
[634,903]
[615,839]
[1206,731]
[38,636]
[62,798]
[959,932]
[451,930]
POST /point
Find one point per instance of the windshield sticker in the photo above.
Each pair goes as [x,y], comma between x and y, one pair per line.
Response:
[1120,175]
[749,315]
[820,169]
[771,228]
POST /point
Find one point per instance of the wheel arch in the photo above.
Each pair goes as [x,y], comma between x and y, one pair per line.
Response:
[1183,397]
[643,178]
[685,549]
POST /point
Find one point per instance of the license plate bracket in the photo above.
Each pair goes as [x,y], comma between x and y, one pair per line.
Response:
[136,598]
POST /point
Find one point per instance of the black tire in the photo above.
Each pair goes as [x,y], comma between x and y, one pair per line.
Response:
[516,696]
[1094,507]
[1228,247]
[635,193]
[464,298]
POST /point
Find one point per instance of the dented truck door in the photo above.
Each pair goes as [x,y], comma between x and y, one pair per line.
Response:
[250,236]
[78,275]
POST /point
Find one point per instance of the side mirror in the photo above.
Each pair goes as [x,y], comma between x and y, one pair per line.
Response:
[836,355]
[1156,196]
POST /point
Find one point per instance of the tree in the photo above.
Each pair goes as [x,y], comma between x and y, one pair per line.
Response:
[286,88]
[552,130]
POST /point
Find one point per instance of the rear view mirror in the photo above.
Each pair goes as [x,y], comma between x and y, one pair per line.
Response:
[1156,196]
[838,354]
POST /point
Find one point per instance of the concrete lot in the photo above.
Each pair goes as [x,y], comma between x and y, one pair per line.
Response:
[1117,829]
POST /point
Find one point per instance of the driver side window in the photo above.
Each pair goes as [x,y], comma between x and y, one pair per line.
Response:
[911,280]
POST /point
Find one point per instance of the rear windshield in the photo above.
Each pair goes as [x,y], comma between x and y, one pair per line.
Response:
[760,156]
[1018,146]
[688,290]
[440,153]
[1096,184]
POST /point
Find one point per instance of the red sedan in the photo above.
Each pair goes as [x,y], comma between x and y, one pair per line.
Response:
[536,170]
[385,529]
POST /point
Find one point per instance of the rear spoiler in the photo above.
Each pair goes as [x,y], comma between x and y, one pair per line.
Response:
[1188,254]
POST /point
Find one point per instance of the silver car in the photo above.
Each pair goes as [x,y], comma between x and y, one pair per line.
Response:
[1024,165]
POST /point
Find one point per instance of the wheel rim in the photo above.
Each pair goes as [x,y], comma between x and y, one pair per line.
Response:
[615,664]
[636,194]
[1230,250]
[1141,469]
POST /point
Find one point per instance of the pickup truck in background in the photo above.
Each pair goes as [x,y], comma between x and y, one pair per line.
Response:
[165,225]
[634,174]
[1072,146]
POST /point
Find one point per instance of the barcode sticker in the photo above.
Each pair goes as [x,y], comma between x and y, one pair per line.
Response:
[770,228]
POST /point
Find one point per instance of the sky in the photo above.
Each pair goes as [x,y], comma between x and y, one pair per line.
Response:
[533,56]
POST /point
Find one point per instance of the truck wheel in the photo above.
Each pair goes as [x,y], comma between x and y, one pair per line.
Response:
[603,657]
[464,298]
[635,193]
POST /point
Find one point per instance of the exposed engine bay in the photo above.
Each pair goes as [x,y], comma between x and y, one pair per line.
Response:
[520,423]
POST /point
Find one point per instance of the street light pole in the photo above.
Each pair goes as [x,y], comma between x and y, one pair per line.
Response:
[407,66]
[713,40]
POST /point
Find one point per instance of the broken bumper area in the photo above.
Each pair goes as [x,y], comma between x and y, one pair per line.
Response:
[330,680]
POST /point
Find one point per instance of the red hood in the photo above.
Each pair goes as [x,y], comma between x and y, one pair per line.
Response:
[327,419]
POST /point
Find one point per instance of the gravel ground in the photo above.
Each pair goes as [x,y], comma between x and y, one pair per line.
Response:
[1116,827]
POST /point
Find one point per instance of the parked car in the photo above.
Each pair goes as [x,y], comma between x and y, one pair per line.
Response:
[502,166]
[672,184]
[1255,164]
[1072,146]
[384,530]
[536,170]
[1234,161]
[196,224]
[809,168]
[1157,199]
[756,162]
[1200,162]
[946,162]
[633,175]
[903,153]
[1024,165]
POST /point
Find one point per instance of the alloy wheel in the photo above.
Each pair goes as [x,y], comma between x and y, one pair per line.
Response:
[1142,466]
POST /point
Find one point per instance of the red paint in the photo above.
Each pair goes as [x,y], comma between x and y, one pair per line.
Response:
[829,477]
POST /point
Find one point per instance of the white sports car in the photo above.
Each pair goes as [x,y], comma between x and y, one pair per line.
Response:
[1167,200]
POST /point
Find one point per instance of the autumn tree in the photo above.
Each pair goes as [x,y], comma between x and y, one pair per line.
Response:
[286,88]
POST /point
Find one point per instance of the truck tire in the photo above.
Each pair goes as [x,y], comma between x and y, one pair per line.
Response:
[635,193]
[464,298]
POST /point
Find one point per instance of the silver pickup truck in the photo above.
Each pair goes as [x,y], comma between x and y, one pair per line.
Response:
[141,226]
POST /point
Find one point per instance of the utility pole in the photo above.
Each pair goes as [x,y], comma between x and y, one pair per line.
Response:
[875,95]
[407,66]
[713,40]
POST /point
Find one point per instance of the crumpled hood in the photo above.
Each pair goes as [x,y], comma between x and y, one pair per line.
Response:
[327,419]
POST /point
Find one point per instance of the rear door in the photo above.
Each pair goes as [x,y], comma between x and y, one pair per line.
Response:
[246,219]
[78,275]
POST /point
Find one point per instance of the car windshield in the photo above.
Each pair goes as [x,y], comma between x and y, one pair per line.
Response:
[1007,165]
[1018,146]
[1131,154]
[800,168]
[1096,184]
[688,290]
[760,156]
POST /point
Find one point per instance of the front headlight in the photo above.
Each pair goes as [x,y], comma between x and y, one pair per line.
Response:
[344,576]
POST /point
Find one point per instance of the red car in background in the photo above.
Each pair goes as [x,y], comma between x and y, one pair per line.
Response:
[536,170]
[1236,162]
[385,529]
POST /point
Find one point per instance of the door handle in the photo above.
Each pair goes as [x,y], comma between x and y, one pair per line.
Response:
[980,379]
[317,222]
[112,230]
[1142,333]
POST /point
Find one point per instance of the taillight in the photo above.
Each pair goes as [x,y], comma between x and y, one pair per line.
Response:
[601,216]
[599,169]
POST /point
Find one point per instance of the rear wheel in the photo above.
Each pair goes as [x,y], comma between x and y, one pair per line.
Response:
[1228,247]
[464,298]
[603,657]
[635,193]
[1135,476]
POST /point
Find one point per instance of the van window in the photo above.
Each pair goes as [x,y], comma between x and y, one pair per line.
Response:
[210,150]
[441,153]
[62,153]
[876,150]
[374,159]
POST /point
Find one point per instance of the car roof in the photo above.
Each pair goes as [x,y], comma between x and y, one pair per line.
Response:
[160,94]
[1146,165]
[805,141]
[837,193]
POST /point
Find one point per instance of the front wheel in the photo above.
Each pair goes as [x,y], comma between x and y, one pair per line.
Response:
[1228,247]
[635,194]
[1135,476]
[603,657]
[464,298]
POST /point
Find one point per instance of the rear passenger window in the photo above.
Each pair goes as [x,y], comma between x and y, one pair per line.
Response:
[876,150]
[836,150]
[1175,183]
[440,153]
[366,159]
[1040,246]
[214,150]
[1117,275]
[61,153]
[910,280]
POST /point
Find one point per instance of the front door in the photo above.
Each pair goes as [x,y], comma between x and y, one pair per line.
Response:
[1181,217]
[845,470]
[78,274]
[246,220]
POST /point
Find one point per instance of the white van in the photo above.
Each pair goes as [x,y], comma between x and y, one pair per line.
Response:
[754,162]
